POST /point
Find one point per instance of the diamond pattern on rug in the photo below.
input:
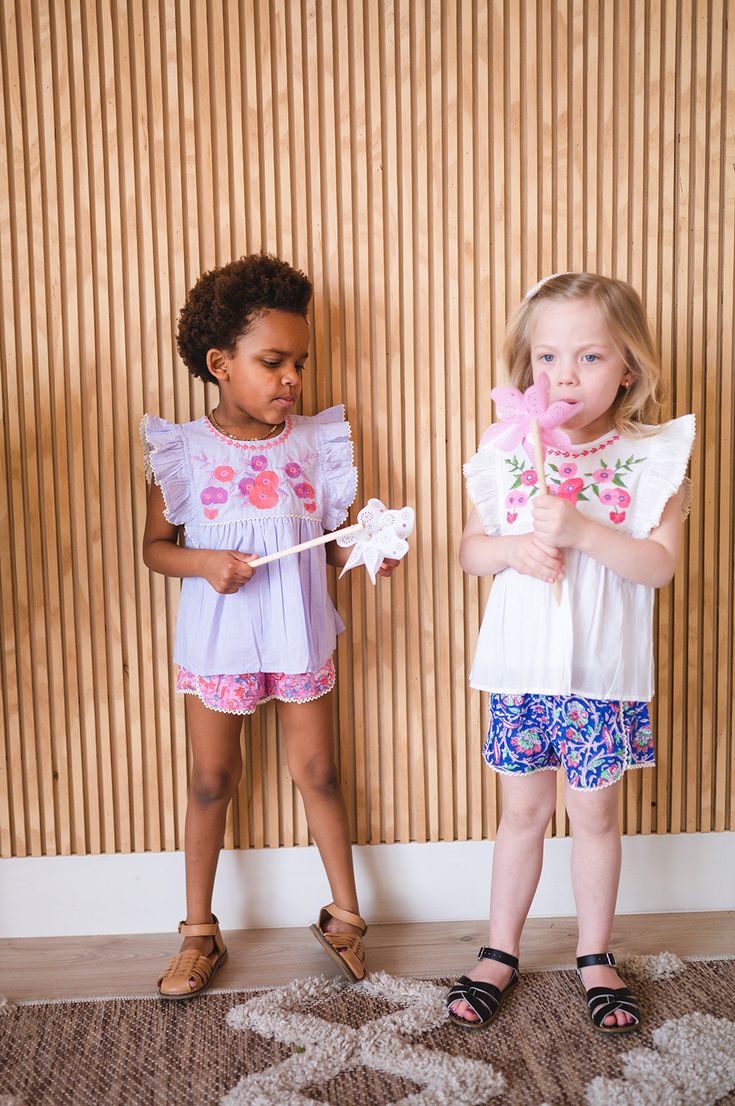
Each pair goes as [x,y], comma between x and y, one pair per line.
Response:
[327,1050]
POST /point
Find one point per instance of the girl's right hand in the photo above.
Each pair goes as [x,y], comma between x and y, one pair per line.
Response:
[531,557]
[227,570]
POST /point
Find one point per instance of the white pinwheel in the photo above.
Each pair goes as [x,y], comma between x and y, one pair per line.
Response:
[382,533]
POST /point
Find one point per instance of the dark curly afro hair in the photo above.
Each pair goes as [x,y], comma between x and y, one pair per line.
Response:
[225,302]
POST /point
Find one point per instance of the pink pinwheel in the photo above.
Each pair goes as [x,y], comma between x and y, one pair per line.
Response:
[517,412]
[528,417]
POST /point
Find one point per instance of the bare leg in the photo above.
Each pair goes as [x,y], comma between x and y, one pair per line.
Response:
[528,803]
[596,855]
[216,770]
[308,732]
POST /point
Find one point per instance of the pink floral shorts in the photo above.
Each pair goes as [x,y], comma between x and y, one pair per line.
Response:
[242,694]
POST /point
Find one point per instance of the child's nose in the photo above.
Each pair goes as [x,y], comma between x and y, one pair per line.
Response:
[290,374]
[567,371]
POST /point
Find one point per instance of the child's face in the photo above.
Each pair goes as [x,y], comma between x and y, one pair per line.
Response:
[570,342]
[261,382]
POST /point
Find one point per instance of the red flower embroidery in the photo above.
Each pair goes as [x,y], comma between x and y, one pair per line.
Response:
[570,489]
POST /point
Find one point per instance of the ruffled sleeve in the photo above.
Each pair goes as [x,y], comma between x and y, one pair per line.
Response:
[167,462]
[334,443]
[481,478]
[665,473]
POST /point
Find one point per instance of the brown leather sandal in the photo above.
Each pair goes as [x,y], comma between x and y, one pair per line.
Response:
[191,964]
[345,949]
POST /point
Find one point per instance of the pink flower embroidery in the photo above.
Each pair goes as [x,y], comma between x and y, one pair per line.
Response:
[304,491]
[568,469]
[213,495]
[613,496]
[601,476]
[570,489]
[267,480]
[516,499]
[292,469]
[617,516]
[259,462]
[511,517]
[529,477]
[310,507]
[261,497]
[211,512]
[224,473]
[246,484]
[263,492]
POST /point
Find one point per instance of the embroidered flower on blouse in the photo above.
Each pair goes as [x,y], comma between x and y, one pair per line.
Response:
[292,469]
[213,495]
[246,484]
[304,491]
[602,476]
[259,462]
[263,492]
[529,477]
[570,489]
[224,473]
[616,498]
[568,469]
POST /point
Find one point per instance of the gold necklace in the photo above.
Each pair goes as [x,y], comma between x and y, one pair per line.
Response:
[235,438]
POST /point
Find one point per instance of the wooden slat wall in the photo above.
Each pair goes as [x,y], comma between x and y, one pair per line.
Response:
[425,163]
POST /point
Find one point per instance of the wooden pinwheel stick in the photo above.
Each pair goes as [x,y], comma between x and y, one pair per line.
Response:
[305,545]
[540,453]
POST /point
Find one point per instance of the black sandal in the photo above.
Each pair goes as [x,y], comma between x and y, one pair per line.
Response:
[604,1001]
[484,999]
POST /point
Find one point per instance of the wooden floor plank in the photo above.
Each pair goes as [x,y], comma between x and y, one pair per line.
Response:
[75,967]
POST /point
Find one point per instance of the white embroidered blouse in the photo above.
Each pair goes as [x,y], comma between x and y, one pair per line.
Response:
[598,642]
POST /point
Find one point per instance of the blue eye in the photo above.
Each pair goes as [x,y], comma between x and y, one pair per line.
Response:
[547,358]
[590,358]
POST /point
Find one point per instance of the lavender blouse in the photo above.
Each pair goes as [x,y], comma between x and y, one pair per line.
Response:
[255,497]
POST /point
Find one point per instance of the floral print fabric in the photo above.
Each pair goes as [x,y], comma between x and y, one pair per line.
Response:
[577,480]
[242,694]
[593,740]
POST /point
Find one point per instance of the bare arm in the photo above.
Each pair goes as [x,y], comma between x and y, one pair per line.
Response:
[226,570]
[651,561]
[482,555]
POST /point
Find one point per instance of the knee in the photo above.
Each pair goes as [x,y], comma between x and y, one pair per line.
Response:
[214,785]
[317,775]
[593,820]
[531,818]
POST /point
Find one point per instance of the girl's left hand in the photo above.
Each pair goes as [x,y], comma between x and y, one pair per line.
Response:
[389,563]
[557,521]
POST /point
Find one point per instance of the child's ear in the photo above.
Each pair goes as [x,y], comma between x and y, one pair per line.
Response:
[218,364]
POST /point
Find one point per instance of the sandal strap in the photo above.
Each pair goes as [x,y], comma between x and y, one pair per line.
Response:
[498,954]
[595,959]
[342,916]
[199,929]
[187,965]
[343,942]
[602,1001]
[476,993]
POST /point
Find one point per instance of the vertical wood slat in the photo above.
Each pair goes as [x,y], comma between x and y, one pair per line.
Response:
[424,163]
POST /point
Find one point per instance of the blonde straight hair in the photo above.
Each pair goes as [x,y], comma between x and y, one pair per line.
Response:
[634,407]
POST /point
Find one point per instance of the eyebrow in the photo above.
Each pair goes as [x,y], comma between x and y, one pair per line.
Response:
[284,352]
[585,345]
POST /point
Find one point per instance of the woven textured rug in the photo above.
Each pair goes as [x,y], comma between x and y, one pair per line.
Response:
[382,1043]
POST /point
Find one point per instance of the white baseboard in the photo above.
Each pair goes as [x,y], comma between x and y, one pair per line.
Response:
[444,881]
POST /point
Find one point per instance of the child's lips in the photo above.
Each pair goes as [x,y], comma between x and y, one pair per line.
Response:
[285,401]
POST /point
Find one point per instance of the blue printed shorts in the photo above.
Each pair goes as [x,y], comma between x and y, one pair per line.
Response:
[593,740]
